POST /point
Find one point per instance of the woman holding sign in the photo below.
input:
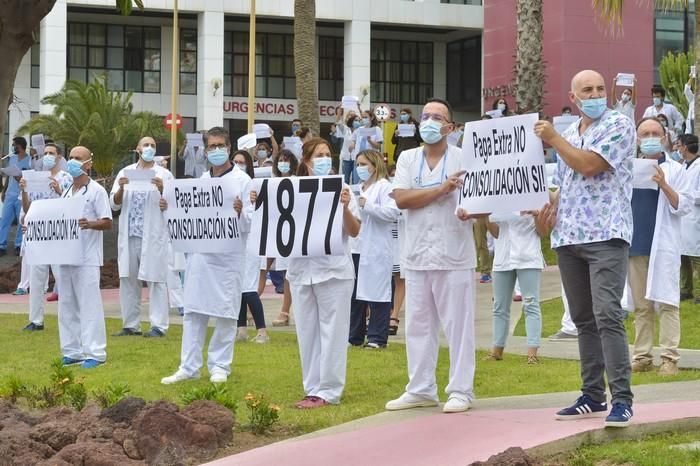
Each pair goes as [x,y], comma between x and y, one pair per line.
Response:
[378,212]
[321,289]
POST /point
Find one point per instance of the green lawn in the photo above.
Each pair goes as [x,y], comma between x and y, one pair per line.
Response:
[553,309]
[273,369]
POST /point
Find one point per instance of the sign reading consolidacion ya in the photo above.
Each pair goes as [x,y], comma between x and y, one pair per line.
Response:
[505,166]
[297,217]
[53,232]
[200,216]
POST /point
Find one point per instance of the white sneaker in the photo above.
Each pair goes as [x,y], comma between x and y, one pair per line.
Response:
[178,376]
[408,401]
[261,339]
[218,376]
[456,404]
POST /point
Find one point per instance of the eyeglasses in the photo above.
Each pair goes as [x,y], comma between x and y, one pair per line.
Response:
[434,116]
[216,147]
[51,153]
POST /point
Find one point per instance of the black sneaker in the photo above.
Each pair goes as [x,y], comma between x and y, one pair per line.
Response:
[154,332]
[127,332]
[583,408]
[32,327]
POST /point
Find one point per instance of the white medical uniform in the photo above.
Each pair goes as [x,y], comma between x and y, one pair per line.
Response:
[690,224]
[213,287]
[145,257]
[376,243]
[439,257]
[321,291]
[176,289]
[81,322]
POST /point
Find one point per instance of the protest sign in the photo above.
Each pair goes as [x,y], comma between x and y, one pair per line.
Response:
[297,217]
[562,122]
[262,131]
[505,167]
[139,180]
[293,144]
[200,215]
[495,113]
[642,172]
[624,80]
[350,102]
[38,143]
[407,130]
[195,140]
[37,182]
[263,172]
[53,232]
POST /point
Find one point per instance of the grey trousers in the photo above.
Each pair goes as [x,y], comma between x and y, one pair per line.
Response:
[594,276]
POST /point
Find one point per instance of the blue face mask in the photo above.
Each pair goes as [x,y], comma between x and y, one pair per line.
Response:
[283,167]
[363,173]
[430,131]
[593,108]
[365,122]
[651,146]
[217,157]
[404,117]
[675,155]
[242,166]
[295,128]
[321,166]
[657,101]
[48,162]
[75,168]
[148,154]
[356,124]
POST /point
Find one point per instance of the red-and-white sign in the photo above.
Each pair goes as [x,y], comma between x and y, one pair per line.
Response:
[168,121]
[382,112]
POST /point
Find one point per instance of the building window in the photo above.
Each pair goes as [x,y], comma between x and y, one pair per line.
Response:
[129,56]
[401,71]
[35,65]
[274,65]
[330,68]
[188,61]
[674,31]
[464,74]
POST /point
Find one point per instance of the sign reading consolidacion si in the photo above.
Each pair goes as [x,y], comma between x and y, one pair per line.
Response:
[505,166]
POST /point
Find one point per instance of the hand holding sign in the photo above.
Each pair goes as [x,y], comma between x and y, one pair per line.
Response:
[453,182]
[545,131]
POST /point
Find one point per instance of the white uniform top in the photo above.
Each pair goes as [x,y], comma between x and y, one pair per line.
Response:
[346,133]
[251,270]
[214,281]
[518,244]
[96,208]
[675,119]
[435,238]
[361,142]
[312,270]
[690,224]
[690,97]
[626,108]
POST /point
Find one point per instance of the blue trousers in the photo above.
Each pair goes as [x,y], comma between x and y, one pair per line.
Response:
[349,173]
[10,211]
[378,329]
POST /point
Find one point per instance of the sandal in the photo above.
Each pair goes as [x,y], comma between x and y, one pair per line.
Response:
[394,328]
[532,359]
[492,357]
[282,320]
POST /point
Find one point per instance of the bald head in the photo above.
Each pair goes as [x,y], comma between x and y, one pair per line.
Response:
[80,153]
[586,77]
[147,141]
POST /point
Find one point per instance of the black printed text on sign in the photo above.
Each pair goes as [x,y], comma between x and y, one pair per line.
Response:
[53,232]
[200,215]
[505,167]
[297,217]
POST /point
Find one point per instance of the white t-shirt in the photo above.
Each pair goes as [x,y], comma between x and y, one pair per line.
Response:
[518,244]
[96,208]
[361,142]
[626,108]
[435,238]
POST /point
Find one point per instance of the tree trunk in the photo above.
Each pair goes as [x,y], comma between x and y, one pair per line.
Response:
[305,63]
[696,124]
[529,61]
[18,21]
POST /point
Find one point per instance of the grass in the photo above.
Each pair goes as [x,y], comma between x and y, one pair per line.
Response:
[373,376]
[553,309]
[650,451]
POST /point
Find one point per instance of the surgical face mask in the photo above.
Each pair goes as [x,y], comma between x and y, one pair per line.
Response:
[664,123]
[262,154]
[657,101]
[242,166]
[430,131]
[283,167]
[404,117]
[295,128]
[566,113]
[363,172]
[592,108]
[502,107]
[321,166]
[356,124]
[75,168]
[625,98]
[148,153]
[651,146]
[365,122]
[675,155]
[217,157]
[49,161]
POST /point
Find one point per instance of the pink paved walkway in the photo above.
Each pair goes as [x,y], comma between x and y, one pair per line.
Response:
[442,439]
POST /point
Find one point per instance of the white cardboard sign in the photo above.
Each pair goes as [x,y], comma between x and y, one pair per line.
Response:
[37,181]
[642,172]
[505,166]
[140,180]
[53,232]
[625,80]
[297,217]
[562,122]
[200,216]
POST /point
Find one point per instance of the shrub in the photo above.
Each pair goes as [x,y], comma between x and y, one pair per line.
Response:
[111,394]
[263,415]
[14,388]
[76,395]
[214,392]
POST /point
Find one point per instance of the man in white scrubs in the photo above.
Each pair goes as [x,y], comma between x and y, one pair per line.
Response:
[690,224]
[439,258]
[81,322]
[142,244]
[213,282]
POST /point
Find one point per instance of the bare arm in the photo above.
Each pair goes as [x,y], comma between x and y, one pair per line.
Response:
[587,163]
[493,228]
[351,224]
[419,198]
[101,224]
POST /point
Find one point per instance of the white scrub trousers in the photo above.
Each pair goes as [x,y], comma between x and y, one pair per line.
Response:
[81,320]
[38,280]
[437,298]
[322,317]
[130,294]
[194,334]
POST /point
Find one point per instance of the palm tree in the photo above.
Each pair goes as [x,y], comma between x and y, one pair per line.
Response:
[529,61]
[305,63]
[92,116]
[19,23]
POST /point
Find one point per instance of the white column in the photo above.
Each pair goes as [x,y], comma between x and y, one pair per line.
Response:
[440,70]
[52,52]
[210,66]
[357,52]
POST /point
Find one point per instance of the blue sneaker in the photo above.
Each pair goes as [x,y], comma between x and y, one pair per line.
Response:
[485,278]
[583,408]
[66,361]
[91,363]
[620,415]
